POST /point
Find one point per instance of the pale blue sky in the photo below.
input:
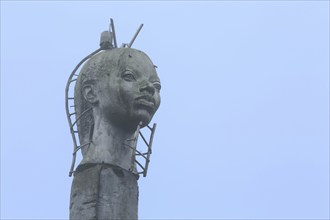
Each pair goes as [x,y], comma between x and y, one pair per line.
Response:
[243,128]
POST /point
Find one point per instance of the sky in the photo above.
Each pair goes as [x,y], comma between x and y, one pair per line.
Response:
[243,127]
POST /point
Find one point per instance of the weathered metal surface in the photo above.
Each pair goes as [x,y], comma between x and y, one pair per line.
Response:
[102,191]
[116,94]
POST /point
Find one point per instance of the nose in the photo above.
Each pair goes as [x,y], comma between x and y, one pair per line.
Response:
[148,87]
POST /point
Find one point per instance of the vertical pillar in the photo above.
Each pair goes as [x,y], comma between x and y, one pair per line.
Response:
[102,191]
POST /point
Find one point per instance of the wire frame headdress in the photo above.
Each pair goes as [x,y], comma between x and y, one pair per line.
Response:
[108,41]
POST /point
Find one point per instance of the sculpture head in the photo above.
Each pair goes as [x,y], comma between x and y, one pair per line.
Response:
[122,88]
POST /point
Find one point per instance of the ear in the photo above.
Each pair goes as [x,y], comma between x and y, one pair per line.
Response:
[89,93]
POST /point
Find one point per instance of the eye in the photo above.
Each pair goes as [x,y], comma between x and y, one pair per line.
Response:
[157,85]
[128,75]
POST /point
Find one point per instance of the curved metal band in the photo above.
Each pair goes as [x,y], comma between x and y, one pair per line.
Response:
[68,110]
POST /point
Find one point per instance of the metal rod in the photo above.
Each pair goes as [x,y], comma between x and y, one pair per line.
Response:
[81,115]
[152,136]
[138,163]
[136,135]
[136,34]
[138,153]
[141,154]
[127,145]
[78,148]
[149,150]
[113,32]
[143,138]
[73,113]
[67,105]
[130,139]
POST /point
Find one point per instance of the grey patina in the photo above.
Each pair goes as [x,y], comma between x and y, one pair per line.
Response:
[121,88]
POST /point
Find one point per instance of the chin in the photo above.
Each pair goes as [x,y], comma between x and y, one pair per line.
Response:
[131,120]
[144,117]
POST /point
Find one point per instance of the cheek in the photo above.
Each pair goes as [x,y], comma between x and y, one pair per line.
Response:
[110,94]
[127,93]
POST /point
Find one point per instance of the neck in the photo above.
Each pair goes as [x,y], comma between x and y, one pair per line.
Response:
[109,144]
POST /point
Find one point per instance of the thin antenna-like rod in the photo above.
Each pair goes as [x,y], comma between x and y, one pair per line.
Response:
[136,34]
[113,32]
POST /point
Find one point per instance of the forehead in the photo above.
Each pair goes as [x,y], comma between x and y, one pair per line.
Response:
[134,60]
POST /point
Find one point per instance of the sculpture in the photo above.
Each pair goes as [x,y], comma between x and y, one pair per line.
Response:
[117,92]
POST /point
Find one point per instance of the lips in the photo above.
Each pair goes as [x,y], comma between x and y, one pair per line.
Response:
[147,101]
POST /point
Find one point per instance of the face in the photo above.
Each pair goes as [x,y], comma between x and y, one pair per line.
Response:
[130,93]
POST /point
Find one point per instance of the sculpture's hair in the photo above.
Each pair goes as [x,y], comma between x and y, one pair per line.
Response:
[94,70]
